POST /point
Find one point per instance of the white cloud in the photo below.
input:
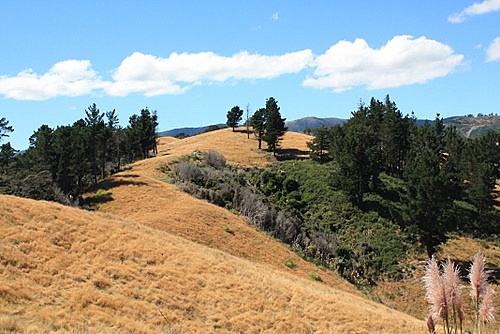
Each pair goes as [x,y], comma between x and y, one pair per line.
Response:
[493,52]
[275,16]
[484,7]
[66,78]
[177,73]
[402,61]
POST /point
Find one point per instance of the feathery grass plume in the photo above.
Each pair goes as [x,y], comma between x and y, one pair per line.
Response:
[481,292]
[435,292]
[478,277]
[453,292]
[487,307]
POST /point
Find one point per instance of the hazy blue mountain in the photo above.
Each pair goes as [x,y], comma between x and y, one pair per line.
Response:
[187,131]
[301,124]
[467,126]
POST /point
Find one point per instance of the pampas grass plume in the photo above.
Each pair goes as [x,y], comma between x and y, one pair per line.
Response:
[478,277]
[435,292]
[453,289]
[487,307]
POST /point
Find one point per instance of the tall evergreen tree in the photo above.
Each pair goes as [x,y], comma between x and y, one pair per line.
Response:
[320,144]
[141,134]
[41,148]
[79,151]
[480,186]
[114,137]
[247,122]
[65,159]
[429,184]
[94,120]
[258,122]
[394,138]
[7,153]
[355,151]
[275,125]
[453,149]
[480,169]
[234,116]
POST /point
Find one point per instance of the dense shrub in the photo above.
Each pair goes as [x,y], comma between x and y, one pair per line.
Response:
[215,159]
[296,203]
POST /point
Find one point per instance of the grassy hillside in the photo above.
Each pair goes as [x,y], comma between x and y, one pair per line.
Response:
[157,249]
[471,127]
[67,270]
[150,248]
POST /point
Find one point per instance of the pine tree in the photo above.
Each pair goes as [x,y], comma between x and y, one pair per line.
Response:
[429,184]
[356,152]
[275,125]
[394,140]
[320,144]
[94,121]
[7,153]
[234,116]
[114,137]
[258,122]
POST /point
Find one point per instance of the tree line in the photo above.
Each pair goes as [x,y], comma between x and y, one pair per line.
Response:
[65,161]
[438,166]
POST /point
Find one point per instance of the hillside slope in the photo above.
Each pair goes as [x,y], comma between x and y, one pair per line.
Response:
[152,248]
[67,270]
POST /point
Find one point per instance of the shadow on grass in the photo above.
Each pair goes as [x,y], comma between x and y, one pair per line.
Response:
[291,154]
[464,267]
[114,183]
[243,131]
[103,195]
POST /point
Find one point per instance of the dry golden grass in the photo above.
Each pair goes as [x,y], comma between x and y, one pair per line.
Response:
[66,270]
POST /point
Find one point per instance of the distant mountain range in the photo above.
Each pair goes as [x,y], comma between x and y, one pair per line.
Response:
[186,131]
[301,124]
[468,127]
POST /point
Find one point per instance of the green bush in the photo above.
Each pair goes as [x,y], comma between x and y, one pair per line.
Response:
[289,263]
[315,277]
[228,229]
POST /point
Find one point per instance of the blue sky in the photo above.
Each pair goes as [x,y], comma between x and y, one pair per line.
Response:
[194,60]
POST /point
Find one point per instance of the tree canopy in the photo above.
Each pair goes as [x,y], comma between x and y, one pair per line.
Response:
[258,122]
[69,159]
[275,125]
[439,169]
[234,116]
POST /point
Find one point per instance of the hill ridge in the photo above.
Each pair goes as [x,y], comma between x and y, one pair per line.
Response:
[467,126]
